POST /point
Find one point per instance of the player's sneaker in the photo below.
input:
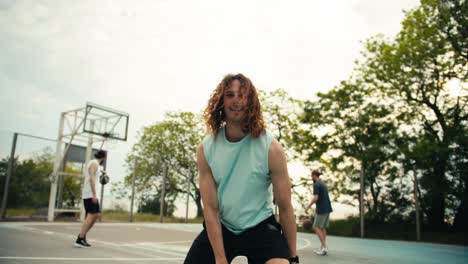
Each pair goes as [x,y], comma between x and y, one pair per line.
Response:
[81,243]
[321,251]
[86,242]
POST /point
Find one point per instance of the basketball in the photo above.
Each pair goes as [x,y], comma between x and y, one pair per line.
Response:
[104,178]
[307,224]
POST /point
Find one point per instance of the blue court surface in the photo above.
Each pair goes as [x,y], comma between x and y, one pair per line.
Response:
[27,242]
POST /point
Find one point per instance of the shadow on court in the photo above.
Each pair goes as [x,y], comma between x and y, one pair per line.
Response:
[25,242]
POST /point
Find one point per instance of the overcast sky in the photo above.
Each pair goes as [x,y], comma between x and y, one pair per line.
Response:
[150,57]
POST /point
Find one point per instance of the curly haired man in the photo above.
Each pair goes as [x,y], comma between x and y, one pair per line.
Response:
[241,168]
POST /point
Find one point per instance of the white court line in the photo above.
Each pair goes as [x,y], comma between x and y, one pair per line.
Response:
[122,247]
[154,247]
[89,259]
[175,227]
[164,250]
[307,243]
[108,244]
[109,224]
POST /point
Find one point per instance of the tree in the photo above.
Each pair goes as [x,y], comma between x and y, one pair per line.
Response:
[348,129]
[282,113]
[416,69]
[152,204]
[30,185]
[168,144]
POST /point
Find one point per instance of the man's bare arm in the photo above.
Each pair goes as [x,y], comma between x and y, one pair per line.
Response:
[209,197]
[314,200]
[282,193]
[92,176]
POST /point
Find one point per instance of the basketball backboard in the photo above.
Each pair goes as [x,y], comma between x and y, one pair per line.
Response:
[106,122]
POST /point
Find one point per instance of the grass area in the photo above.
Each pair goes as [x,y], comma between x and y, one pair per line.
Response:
[123,216]
[20,212]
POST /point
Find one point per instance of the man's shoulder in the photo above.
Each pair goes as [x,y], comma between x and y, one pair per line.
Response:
[275,150]
[93,162]
[208,140]
[319,184]
[266,135]
[208,146]
[275,145]
[268,138]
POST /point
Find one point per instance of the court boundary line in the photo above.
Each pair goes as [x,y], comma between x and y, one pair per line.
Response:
[108,244]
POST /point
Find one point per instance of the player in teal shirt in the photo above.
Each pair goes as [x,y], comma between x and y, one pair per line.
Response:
[241,168]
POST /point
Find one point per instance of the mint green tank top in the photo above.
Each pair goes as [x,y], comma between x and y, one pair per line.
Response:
[241,173]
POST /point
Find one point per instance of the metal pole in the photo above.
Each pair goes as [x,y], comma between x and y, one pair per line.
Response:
[61,182]
[102,192]
[361,201]
[416,201]
[101,201]
[58,159]
[133,190]
[161,203]
[8,176]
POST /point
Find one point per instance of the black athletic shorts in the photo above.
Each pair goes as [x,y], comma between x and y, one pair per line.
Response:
[259,244]
[90,207]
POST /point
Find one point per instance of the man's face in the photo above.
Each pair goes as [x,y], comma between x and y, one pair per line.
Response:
[314,178]
[235,103]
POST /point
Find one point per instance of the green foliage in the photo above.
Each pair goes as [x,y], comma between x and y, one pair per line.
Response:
[417,69]
[165,148]
[398,115]
[152,205]
[347,129]
[281,113]
[30,182]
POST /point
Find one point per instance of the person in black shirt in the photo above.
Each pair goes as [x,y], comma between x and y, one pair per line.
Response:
[323,210]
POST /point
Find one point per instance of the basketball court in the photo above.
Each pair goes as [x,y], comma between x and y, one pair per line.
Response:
[42,242]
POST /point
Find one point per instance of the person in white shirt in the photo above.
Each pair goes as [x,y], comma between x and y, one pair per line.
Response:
[90,200]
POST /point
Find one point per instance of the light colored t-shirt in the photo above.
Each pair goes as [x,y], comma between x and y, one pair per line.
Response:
[87,192]
[241,173]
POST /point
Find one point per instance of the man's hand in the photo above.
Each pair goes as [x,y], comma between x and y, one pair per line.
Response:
[94,199]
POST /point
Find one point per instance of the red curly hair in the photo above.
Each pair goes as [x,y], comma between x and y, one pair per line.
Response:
[214,112]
